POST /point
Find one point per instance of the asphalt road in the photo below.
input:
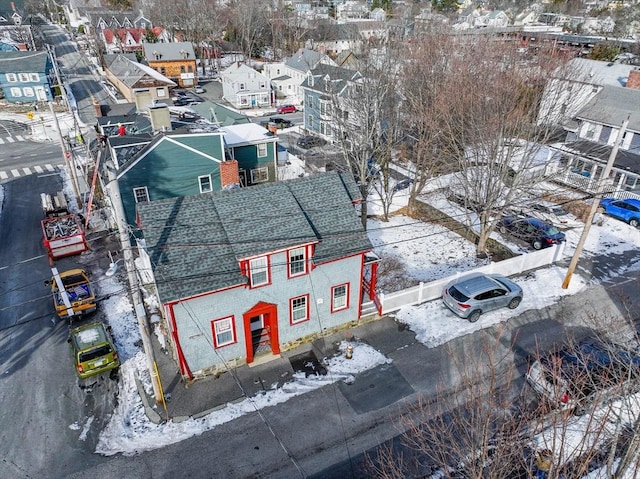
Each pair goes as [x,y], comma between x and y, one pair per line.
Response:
[48,425]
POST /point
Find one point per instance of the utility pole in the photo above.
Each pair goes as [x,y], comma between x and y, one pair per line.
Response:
[595,204]
[141,316]
[66,153]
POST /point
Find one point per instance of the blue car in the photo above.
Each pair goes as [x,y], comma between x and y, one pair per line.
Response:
[626,210]
[537,233]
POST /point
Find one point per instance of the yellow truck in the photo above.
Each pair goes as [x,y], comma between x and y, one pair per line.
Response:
[80,296]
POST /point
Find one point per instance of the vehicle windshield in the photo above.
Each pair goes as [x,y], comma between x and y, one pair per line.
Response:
[551,231]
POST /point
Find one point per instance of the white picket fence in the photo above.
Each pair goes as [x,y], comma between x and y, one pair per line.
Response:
[433,290]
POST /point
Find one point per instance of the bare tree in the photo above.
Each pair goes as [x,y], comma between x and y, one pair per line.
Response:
[366,120]
[480,426]
[249,23]
[470,430]
[486,117]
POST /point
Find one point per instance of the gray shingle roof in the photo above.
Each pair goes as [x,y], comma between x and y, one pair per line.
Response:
[612,105]
[195,242]
[130,72]
[23,62]
[168,51]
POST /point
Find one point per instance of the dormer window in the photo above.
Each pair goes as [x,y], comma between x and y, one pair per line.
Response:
[156,55]
[184,54]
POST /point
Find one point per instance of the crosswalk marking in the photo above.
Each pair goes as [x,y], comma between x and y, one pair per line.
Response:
[39,169]
[1,141]
[19,138]
[10,139]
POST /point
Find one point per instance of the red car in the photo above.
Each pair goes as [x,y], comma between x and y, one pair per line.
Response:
[286,109]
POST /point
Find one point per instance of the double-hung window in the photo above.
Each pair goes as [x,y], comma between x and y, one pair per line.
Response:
[12,78]
[223,332]
[262,150]
[141,194]
[299,309]
[339,297]
[205,183]
[297,262]
[259,271]
[260,175]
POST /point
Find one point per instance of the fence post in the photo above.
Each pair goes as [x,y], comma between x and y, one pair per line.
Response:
[421,285]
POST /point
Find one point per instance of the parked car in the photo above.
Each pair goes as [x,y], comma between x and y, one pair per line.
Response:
[286,109]
[573,377]
[626,210]
[199,90]
[477,293]
[552,213]
[307,142]
[93,350]
[403,184]
[281,122]
[539,234]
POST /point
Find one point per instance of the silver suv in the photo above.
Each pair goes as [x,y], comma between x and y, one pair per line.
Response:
[477,293]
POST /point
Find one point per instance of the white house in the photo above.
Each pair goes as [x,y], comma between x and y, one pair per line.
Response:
[574,85]
[286,77]
[244,87]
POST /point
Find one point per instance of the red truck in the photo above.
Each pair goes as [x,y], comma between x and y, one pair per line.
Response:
[62,232]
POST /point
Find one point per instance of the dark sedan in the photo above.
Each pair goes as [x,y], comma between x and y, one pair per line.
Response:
[537,233]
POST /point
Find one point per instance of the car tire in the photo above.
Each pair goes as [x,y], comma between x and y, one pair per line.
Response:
[537,244]
[514,303]
[634,222]
[474,316]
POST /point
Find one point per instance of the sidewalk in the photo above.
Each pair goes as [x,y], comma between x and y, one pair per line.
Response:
[202,396]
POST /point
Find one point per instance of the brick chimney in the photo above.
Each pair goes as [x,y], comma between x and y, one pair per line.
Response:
[229,175]
[634,79]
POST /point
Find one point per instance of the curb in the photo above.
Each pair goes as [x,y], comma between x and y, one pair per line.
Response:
[151,413]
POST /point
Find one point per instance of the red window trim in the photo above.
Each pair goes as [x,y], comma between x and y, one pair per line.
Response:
[251,285]
[233,329]
[348,291]
[308,307]
[306,262]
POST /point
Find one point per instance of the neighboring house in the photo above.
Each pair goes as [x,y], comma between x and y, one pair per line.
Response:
[493,19]
[352,9]
[124,40]
[574,85]
[24,76]
[255,150]
[243,87]
[526,17]
[131,77]
[235,291]
[580,161]
[176,61]
[152,162]
[11,12]
[378,15]
[332,39]
[16,37]
[319,88]
[170,165]
[219,115]
[110,41]
[286,77]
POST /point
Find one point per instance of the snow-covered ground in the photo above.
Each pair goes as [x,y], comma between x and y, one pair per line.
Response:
[427,251]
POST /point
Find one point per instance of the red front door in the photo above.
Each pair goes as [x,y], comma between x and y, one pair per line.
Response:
[261,330]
